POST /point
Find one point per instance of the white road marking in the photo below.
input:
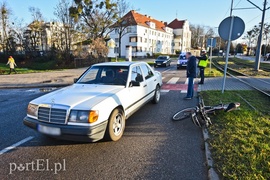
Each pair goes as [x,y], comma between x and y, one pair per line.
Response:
[173,80]
[186,82]
[13,146]
[164,91]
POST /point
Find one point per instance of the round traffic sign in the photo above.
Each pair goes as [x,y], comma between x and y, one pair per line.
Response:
[237,30]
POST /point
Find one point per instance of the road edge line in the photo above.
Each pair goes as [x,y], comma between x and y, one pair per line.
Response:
[13,146]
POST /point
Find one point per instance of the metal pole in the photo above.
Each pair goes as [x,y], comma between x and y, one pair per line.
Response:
[227,54]
[265,47]
[259,45]
[211,53]
[231,8]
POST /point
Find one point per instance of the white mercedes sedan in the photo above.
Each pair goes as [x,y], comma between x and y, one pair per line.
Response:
[97,105]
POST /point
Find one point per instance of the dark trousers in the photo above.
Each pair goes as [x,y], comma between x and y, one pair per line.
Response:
[11,69]
[202,74]
[190,90]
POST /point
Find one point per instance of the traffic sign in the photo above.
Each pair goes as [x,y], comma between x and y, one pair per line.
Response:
[237,29]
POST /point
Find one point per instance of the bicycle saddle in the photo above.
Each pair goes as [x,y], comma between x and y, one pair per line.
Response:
[232,106]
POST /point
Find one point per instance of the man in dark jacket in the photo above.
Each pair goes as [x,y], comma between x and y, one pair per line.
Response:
[191,74]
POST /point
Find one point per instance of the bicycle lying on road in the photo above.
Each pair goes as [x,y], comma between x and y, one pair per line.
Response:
[199,114]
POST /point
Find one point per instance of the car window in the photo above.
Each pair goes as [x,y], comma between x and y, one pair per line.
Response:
[136,74]
[105,75]
[90,76]
[147,72]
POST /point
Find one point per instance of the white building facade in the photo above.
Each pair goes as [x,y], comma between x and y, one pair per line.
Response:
[182,35]
[147,36]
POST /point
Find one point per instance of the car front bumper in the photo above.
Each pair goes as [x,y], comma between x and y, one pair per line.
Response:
[70,132]
[181,65]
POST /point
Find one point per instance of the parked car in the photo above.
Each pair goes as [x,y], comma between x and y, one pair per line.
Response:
[97,104]
[162,61]
[182,61]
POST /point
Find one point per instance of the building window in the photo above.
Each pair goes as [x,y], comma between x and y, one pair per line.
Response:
[116,50]
[145,49]
[116,39]
[116,31]
[145,40]
[134,49]
[139,49]
[133,39]
[139,39]
[145,30]
[128,29]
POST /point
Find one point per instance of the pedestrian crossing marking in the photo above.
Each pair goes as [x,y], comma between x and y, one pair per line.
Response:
[173,80]
[172,85]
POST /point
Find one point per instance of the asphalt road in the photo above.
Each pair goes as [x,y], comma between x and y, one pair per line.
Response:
[153,147]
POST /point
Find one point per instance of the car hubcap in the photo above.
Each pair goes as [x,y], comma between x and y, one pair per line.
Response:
[117,124]
[157,94]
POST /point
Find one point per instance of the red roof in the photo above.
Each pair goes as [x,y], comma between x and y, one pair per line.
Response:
[176,24]
[135,18]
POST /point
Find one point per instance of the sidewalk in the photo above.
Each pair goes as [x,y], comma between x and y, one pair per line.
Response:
[44,79]
[252,58]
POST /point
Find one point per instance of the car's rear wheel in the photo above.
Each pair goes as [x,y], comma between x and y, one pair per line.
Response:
[156,97]
[116,125]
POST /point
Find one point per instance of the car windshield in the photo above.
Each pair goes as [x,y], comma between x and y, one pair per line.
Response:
[105,75]
[182,57]
[162,58]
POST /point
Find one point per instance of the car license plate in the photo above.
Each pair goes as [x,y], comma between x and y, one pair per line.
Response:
[158,64]
[49,130]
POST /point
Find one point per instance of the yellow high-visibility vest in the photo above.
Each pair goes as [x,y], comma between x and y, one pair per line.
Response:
[203,63]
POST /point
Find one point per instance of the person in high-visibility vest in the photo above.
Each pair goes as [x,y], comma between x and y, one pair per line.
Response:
[203,60]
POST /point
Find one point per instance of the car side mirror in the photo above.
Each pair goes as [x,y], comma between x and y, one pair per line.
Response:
[134,83]
[75,80]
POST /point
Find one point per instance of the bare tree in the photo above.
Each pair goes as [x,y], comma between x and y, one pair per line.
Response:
[200,34]
[33,34]
[63,15]
[123,22]
[5,15]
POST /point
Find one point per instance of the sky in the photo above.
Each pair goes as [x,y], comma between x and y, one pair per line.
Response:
[202,12]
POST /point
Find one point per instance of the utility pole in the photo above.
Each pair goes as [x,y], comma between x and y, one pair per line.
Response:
[259,44]
[231,8]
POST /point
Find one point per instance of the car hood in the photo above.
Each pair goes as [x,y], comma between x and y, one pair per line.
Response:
[77,94]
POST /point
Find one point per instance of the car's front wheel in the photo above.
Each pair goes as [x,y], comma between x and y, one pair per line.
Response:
[116,125]
[156,97]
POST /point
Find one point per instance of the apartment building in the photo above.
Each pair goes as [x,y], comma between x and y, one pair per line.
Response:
[147,35]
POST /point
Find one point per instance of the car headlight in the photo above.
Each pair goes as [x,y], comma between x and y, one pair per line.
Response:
[32,110]
[79,116]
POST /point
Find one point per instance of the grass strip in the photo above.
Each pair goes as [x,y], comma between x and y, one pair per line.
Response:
[240,140]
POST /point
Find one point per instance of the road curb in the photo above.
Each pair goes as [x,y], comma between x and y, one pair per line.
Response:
[212,175]
[34,86]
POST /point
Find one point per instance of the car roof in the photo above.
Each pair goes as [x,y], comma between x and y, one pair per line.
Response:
[126,63]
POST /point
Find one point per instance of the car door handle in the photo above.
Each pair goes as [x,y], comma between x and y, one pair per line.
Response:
[155,80]
[145,85]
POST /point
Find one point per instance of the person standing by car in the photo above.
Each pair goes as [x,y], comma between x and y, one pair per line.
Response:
[12,64]
[203,59]
[191,74]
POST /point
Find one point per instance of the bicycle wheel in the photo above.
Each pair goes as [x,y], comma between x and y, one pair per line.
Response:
[183,114]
